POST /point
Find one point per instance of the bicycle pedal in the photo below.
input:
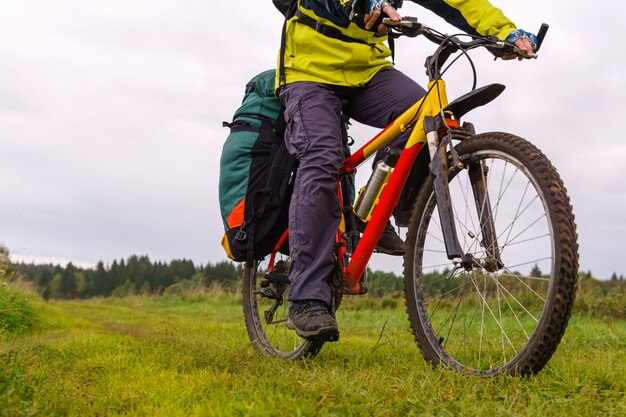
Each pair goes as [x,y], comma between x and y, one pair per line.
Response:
[325,338]
[267,292]
[277,278]
[334,338]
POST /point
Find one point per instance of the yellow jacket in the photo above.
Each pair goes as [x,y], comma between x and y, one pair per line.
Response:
[314,56]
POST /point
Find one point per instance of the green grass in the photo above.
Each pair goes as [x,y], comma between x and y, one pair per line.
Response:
[16,316]
[181,356]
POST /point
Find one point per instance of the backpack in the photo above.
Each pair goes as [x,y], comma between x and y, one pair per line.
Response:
[285,7]
[256,174]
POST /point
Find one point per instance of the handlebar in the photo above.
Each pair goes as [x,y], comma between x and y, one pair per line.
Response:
[409,26]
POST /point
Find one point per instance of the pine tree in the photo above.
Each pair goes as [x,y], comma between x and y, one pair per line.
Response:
[44,279]
[54,288]
[67,286]
[183,269]
[99,283]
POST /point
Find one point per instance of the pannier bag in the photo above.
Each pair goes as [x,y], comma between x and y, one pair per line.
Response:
[256,174]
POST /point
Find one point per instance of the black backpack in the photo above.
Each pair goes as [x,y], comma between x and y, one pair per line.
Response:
[256,174]
[285,7]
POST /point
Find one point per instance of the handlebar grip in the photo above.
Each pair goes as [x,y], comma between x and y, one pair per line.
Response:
[541,34]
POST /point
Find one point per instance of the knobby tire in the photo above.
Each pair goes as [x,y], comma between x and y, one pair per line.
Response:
[510,320]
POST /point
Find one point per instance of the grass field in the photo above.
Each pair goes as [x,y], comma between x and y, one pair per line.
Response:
[190,356]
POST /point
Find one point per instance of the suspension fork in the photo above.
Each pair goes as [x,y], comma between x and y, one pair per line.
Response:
[439,170]
[478,178]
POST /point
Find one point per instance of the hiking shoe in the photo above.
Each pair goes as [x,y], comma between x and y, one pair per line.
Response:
[389,243]
[311,320]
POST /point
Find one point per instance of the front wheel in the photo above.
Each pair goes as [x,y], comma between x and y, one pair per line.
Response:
[503,315]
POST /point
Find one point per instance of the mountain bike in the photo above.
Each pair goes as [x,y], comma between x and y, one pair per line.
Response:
[491,253]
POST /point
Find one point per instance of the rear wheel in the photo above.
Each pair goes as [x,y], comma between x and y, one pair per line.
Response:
[266,310]
[494,317]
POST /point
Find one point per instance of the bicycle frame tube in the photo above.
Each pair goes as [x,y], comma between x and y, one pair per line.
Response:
[430,105]
[279,244]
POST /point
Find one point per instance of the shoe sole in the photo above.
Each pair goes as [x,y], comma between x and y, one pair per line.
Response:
[324,334]
[399,252]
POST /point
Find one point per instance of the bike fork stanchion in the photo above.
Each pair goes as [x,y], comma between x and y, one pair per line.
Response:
[439,170]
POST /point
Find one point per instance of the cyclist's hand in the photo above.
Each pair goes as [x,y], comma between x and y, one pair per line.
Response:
[373,16]
[526,42]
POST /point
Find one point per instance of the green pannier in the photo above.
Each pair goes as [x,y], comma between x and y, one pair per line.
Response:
[256,174]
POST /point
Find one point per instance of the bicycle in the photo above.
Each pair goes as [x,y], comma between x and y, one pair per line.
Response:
[476,300]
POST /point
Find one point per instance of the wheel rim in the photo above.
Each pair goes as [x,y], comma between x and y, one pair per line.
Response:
[271,332]
[481,321]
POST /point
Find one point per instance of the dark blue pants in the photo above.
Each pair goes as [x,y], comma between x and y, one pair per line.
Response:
[313,136]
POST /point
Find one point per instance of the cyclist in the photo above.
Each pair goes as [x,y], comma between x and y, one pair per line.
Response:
[333,56]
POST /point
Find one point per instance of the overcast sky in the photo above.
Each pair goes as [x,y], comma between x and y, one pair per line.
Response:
[110,118]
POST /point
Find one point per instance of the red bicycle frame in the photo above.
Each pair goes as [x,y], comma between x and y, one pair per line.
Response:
[430,105]
[413,118]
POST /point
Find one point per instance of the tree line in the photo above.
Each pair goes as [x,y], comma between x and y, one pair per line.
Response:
[139,275]
[135,275]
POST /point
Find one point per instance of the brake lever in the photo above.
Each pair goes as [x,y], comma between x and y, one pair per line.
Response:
[500,49]
[408,26]
[408,22]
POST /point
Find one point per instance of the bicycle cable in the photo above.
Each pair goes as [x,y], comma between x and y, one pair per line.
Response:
[464,50]
[469,59]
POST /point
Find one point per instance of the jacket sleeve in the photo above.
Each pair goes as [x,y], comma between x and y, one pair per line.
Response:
[471,16]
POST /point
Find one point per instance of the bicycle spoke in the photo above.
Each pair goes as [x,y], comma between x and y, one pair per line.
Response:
[464,191]
[441,296]
[500,191]
[436,238]
[532,262]
[525,229]
[500,317]
[521,305]
[516,318]
[516,276]
[493,316]
[436,281]
[443,252]
[501,195]
[528,287]
[466,329]
[530,239]
[517,212]
[455,311]
[433,266]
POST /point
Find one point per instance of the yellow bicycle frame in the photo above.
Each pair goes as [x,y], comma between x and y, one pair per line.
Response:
[430,105]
